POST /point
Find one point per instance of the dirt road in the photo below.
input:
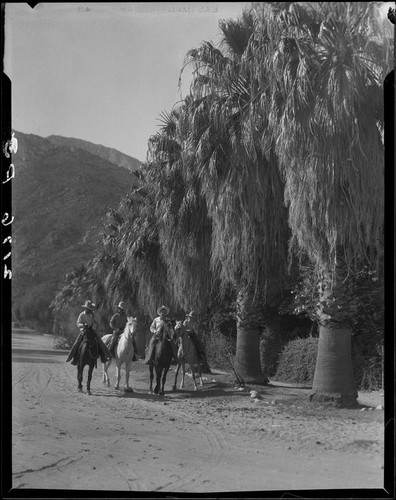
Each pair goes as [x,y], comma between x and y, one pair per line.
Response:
[215,440]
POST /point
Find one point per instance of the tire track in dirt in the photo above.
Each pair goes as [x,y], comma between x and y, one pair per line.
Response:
[150,408]
[60,402]
[58,463]
[183,442]
[214,447]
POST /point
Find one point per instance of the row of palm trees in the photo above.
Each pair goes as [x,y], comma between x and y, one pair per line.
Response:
[274,158]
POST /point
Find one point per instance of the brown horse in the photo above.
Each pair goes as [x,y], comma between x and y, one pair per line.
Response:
[163,352]
[88,353]
[187,354]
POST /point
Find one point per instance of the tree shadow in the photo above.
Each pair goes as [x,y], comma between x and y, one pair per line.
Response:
[291,386]
[36,360]
[214,390]
[38,356]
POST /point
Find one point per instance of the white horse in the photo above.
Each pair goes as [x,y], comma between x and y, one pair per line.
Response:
[124,353]
[186,354]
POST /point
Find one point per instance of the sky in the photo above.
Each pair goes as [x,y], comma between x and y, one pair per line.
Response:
[103,72]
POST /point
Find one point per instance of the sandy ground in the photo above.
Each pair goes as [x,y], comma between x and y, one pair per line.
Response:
[218,439]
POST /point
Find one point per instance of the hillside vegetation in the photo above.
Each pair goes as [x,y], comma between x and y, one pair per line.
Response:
[60,195]
[110,154]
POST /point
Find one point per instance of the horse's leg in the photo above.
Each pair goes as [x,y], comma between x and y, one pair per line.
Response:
[118,375]
[127,369]
[164,373]
[200,375]
[89,378]
[106,378]
[79,376]
[176,374]
[158,371]
[183,375]
[151,368]
[193,377]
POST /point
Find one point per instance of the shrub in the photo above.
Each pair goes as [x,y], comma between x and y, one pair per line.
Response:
[33,309]
[297,361]
[367,358]
[220,340]
[271,346]
[274,338]
[220,349]
[61,343]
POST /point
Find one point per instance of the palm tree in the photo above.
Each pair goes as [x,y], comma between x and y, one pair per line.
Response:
[130,255]
[181,213]
[321,73]
[240,182]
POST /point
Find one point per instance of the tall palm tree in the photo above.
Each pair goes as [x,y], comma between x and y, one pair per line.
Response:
[321,71]
[181,213]
[240,182]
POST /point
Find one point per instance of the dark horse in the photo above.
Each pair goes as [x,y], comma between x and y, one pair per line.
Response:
[163,352]
[88,354]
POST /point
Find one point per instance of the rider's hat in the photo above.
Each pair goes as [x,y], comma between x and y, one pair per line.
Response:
[121,305]
[163,308]
[88,305]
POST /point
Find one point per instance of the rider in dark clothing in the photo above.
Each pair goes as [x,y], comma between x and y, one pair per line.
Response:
[117,323]
[191,325]
[84,320]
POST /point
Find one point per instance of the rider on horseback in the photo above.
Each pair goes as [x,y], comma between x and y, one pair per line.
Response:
[156,326]
[86,320]
[191,325]
[117,323]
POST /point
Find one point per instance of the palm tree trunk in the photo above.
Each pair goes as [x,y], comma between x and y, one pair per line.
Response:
[333,378]
[249,328]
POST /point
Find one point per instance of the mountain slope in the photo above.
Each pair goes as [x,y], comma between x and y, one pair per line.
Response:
[60,195]
[110,154]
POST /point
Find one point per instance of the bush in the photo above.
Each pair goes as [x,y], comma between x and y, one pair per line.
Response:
[33,309]
[271,345]
[61,343]
[220,349]
[367,358]
[220,340]
[282,330]
[297,361]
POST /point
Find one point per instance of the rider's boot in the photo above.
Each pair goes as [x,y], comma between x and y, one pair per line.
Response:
[113,345]
[73,354]
[148,355]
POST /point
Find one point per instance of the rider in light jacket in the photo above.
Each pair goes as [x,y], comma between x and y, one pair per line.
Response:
[160,321]
[86,319]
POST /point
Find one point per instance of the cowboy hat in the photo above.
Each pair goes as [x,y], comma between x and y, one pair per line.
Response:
[88,305]
[166,309]
[121,305]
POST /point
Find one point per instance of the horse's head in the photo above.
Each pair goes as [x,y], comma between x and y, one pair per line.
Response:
[179,329]
[88,331]
[130,327]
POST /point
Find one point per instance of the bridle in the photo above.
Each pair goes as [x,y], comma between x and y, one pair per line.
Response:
[166,334]
[128,330]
